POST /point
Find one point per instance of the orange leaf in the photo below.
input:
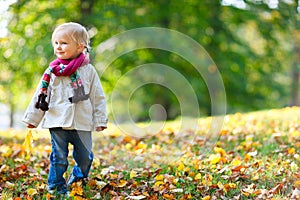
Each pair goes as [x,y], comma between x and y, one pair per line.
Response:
[77,190]
[168,196]
[257,192]
[229,186]
[276,188]
[297,184]
[291,150]
[240,168]
[48,196]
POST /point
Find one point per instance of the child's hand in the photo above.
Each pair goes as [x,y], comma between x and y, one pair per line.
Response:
[100,128]
[30,126]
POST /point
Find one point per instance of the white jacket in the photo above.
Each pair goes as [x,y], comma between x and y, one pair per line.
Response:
[84,115]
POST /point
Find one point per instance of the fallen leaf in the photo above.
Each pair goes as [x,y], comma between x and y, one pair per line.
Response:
[136,197]
[177,190]
[221,151]
[122,183]
[206,197]
[180,167]
[198,176]
[132,174]
[297,184]
[159,177]
[31,191]
[214,158]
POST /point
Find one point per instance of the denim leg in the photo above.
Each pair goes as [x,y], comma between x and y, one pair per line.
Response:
[83,155]
[58,158]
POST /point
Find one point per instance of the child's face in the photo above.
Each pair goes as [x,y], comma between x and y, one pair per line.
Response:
[65,47]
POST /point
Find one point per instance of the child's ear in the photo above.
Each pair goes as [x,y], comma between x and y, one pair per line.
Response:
[81,47]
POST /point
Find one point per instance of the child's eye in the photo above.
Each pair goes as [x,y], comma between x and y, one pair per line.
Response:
[63,43]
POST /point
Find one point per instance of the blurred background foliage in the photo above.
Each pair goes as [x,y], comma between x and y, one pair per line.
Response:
[254,43]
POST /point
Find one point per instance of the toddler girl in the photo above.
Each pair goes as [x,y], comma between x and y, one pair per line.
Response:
[70,102]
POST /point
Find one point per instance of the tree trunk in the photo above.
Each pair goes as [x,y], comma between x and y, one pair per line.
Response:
[295,70]
[295,86]
[11,110]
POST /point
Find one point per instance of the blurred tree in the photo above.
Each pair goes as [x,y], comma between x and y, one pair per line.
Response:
[280,21]
[251,47]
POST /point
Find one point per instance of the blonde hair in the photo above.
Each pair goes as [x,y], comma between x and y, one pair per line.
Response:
[76,31]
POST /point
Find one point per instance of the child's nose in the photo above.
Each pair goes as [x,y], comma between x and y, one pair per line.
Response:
[58,46]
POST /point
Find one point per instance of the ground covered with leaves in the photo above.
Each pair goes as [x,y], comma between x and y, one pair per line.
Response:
[255,156]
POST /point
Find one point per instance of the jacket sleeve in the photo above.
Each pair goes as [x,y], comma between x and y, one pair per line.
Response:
[32,115]
[98,101]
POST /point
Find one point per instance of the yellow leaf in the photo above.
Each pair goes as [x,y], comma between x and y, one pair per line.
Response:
[31,191]
[236,162]
[295,134]
[132,174]
[27,142]
[232,185]
[141,145]
[214,159]
[128,146]
[155,165]
[206,197]
[96,163]
[180,167]
[159,177]
[198,176]
[220,185]
[158,183]
[220,151]
[5,151]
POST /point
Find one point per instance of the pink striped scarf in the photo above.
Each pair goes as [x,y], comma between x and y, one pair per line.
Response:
[60,67]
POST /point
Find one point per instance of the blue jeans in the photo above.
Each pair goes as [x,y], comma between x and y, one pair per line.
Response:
[82,154]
